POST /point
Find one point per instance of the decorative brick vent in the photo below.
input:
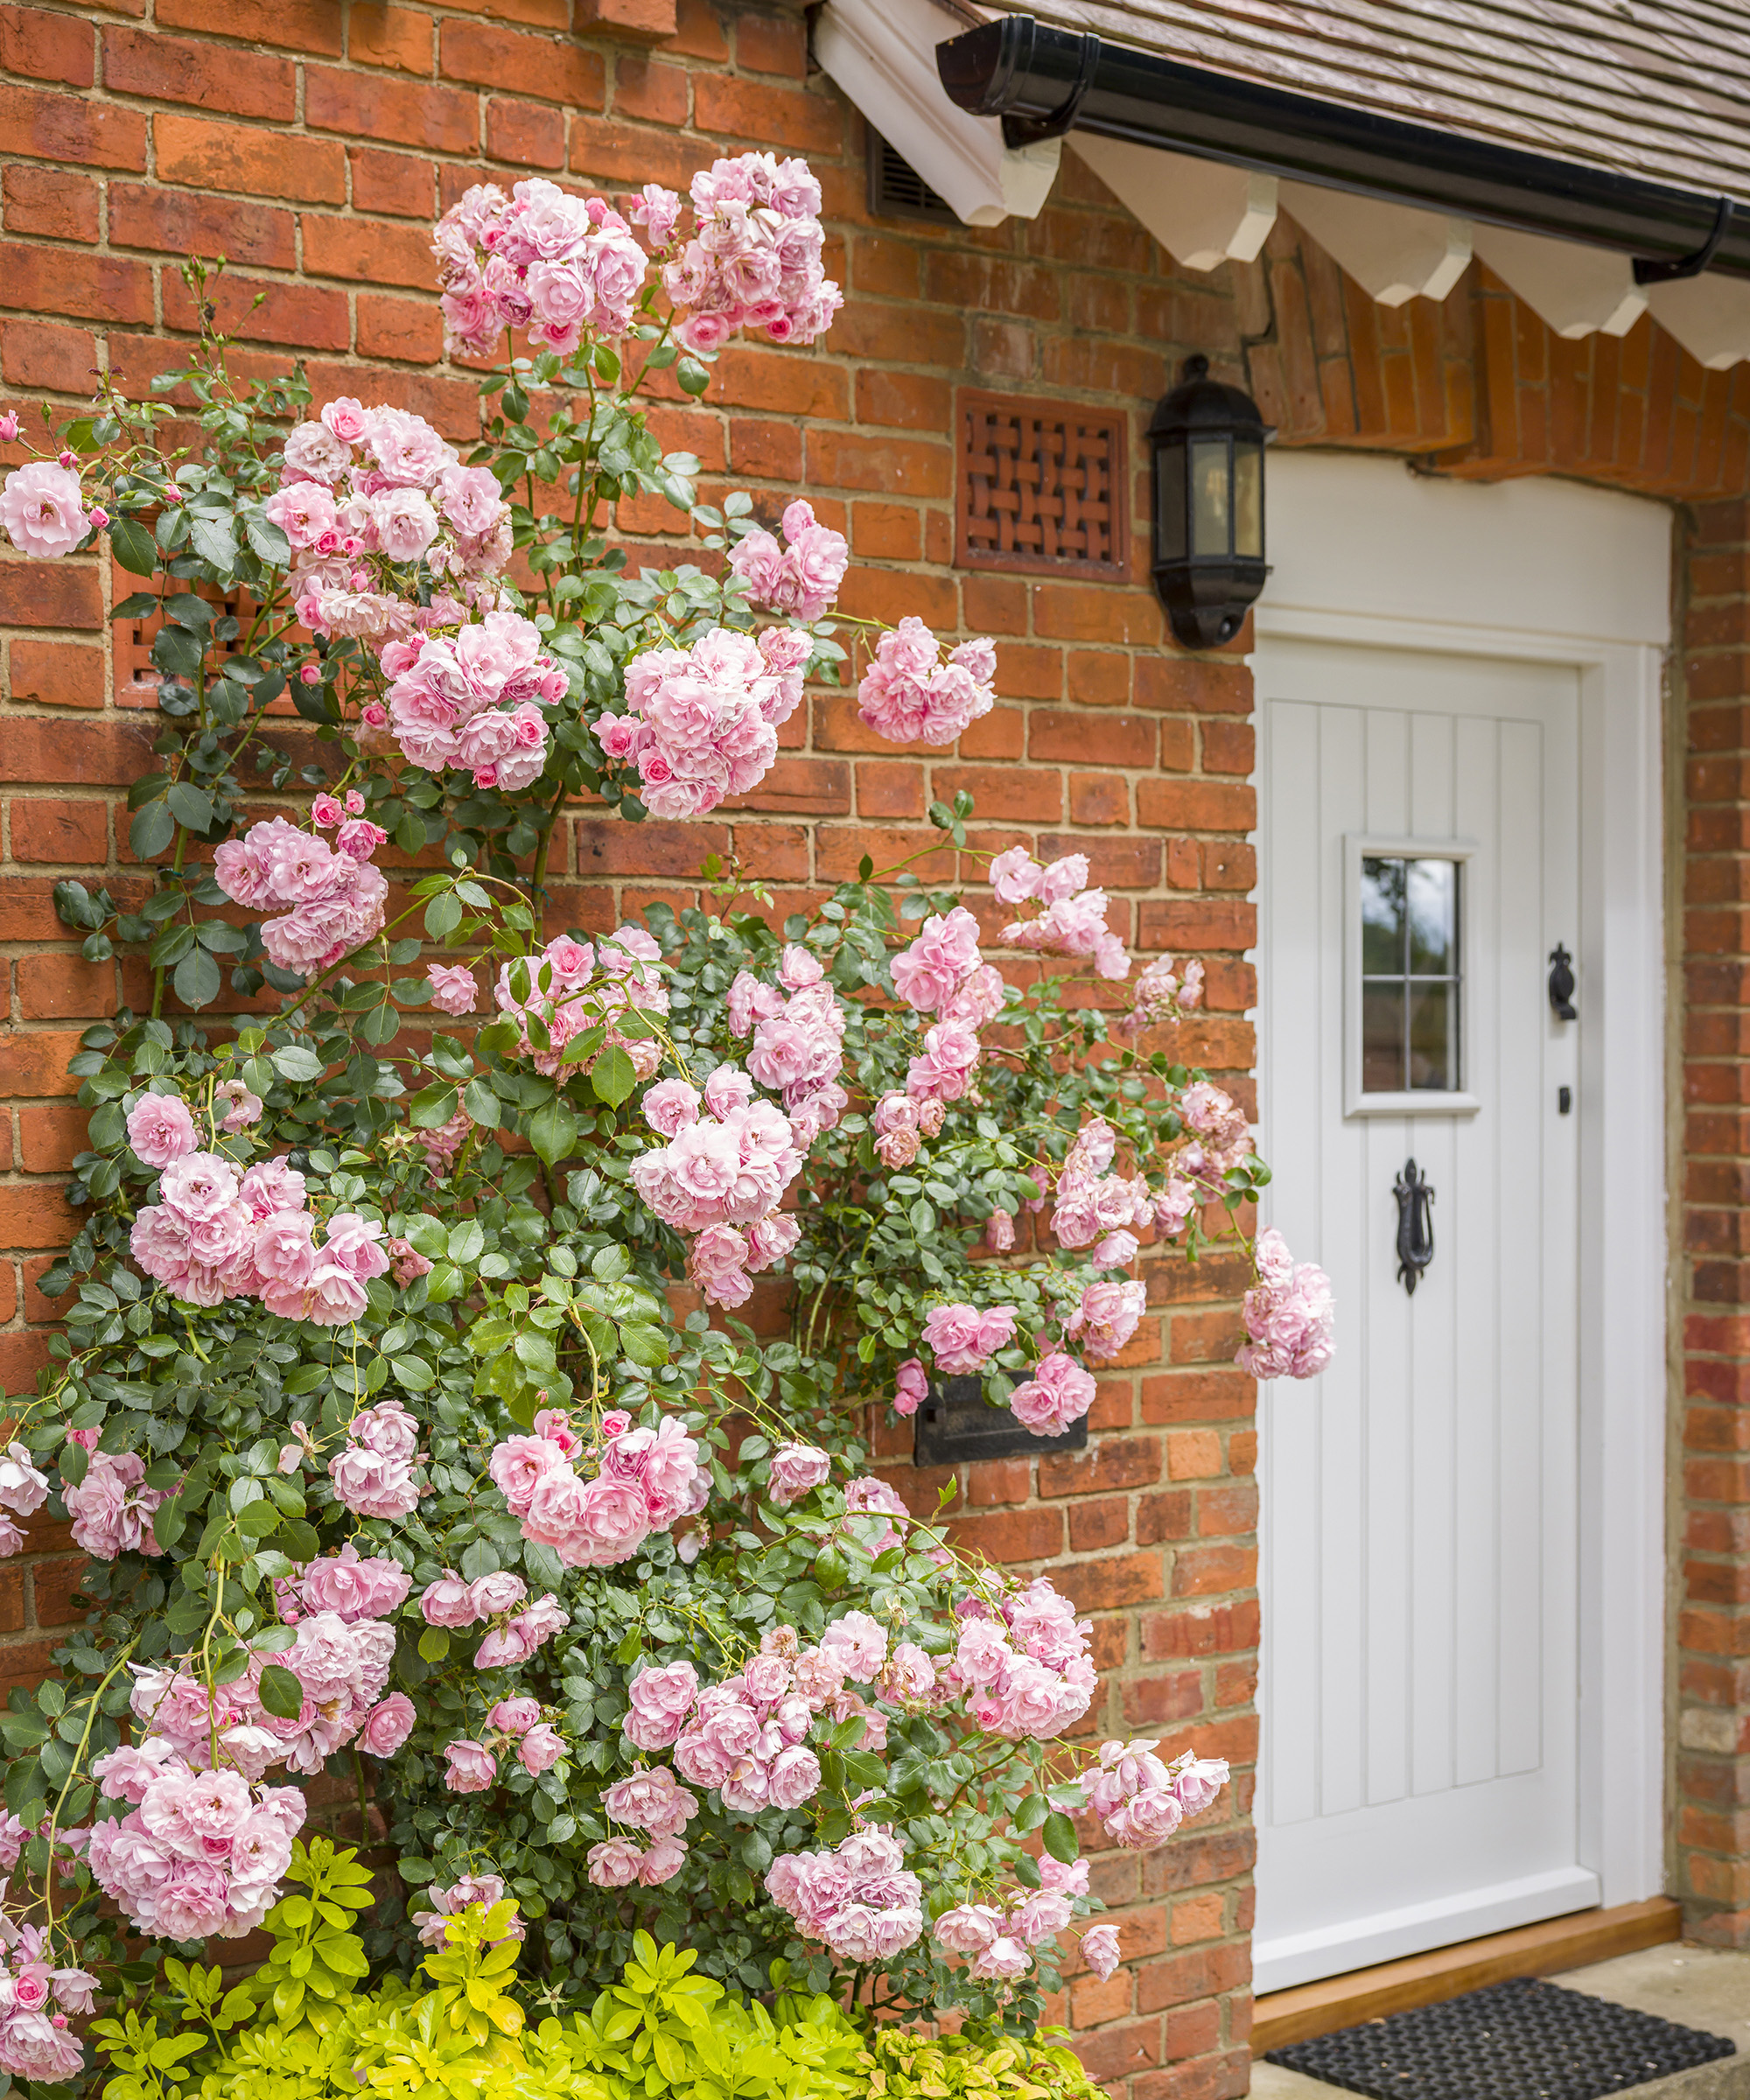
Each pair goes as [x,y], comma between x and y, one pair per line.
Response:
[1041,486]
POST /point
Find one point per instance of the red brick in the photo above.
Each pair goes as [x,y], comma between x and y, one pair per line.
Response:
[530,135]
[774,116]
[49,1137]
[49,126]
[367,252]
[48,829]
[639,20]
[47,594]
[258,163]
[401,183]
[399,37]
[313,25]
[1015,1535]
[37,1214]
[56,674]
[55,204]
[62,987]
[174,223]
[47,46]
[409,330]
[376,107]
[265,311]
[170,69]
[555,69]
[63,359]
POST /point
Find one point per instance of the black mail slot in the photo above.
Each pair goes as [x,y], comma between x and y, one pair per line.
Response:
[957,1422]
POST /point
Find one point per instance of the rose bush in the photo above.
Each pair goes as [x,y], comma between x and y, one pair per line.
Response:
[405,1407]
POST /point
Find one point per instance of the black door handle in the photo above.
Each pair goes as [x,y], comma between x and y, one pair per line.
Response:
[1415,1225]
[1562,984]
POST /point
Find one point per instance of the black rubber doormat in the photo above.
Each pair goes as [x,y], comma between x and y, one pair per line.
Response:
[1525,2040]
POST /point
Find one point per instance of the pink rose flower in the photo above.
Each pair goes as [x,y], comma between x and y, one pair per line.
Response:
[388,1725]
[962,1339]
[41,508]
[161,1129]
[1100,1948]
[514,1716]
[472,1767]
[1059,1393]
[454,987]
[540,1749]
[796,1470]
[449,1601]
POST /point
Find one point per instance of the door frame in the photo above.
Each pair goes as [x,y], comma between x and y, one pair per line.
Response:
[1623,1253]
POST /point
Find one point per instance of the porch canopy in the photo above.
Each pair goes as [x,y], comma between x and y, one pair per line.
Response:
[1596,158]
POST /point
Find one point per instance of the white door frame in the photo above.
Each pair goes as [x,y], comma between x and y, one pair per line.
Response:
[1622,1208]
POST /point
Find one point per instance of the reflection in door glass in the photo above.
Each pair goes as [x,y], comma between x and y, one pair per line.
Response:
[1410,976]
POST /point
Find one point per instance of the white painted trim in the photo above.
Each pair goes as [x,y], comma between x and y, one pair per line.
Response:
[1202,212]
[1278,1964]
[1622,1209]
[1356,847]
[882,54]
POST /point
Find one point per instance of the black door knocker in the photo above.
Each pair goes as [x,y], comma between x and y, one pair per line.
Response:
[1415,1225]
[1561,984]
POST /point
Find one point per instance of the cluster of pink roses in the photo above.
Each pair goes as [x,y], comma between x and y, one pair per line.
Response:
[652,1802]
[471,1766]
[701,723]
[1072,918]
[645,1480]
[112,1507]
[998,1940]
[541,259]
[963,1339]
[798,1045]
[1094,1208]
[215,1233]
[1023,1666]
[858,1899]
[365,493]
[575,986]
[330,901]
[24,1490]
[346,1583]
[1162,993]
[913,693]
[1220,1137]
[903,1121]
[1109,1314]
[801,578]
[472,699]
[198,1852]
[374,1473]
[342,1665]
[1141,1802]
[37,1999]
[1288,1314]
[755,259]
[943,973]
[516,1627]
[1057,1396]
[720,1177]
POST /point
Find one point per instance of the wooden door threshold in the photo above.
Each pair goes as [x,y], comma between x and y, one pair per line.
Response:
[1425,1979]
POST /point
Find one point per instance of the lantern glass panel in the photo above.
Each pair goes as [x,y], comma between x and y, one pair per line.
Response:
[1211,497]
[1248,498]
[1170,533]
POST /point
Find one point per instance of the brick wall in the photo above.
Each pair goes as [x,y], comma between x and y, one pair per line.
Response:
[310,143]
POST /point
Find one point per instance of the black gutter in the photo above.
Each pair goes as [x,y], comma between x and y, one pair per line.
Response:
[1042,81]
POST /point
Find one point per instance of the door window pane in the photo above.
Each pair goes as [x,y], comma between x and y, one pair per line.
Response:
[1411,988]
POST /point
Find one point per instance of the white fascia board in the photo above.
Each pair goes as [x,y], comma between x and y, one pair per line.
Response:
[1709,315]
[1202,212]
[1394,252]
[883,56]
[1578,290]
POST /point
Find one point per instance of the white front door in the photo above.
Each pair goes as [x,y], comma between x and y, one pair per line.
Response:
[1433,1764]
[1422,865]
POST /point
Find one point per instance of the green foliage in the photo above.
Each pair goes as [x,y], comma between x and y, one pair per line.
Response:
[900,2064]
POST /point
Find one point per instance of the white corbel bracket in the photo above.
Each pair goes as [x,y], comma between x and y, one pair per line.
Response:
[1709,315]
[1393,251]
[883,58]
[1202,212]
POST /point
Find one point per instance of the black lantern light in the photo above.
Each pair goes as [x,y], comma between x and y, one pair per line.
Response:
[1207,443]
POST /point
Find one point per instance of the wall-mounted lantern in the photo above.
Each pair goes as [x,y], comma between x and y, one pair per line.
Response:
[1207,443]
